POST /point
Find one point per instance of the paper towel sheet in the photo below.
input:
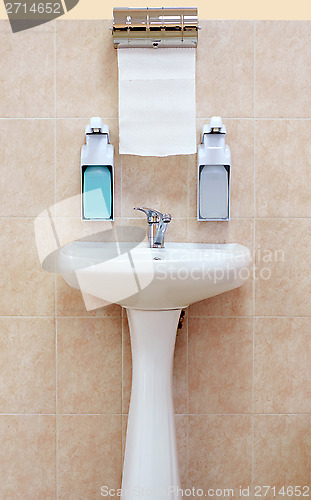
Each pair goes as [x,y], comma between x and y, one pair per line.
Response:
[157,101]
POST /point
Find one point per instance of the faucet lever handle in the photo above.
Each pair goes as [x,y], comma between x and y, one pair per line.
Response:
[152,215]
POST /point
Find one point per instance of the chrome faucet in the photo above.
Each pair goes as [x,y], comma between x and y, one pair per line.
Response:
[157,226]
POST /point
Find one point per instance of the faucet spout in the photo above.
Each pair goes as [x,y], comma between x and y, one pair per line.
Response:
[162,227]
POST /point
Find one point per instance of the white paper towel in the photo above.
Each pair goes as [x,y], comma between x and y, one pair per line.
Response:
[157,101]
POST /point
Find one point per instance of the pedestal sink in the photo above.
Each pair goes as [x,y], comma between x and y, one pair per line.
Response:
[154,285]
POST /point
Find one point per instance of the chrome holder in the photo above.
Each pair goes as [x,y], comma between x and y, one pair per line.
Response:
[155,27]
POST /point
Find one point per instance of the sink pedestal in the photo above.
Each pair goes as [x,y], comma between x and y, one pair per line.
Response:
[150,465]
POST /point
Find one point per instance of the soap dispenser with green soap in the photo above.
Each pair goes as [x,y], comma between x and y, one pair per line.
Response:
[97,173]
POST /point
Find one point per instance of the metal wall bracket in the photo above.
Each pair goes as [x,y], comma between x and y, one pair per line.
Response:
[155,27]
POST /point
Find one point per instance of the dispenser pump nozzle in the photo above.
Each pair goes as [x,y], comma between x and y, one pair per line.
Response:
[215,126]
[96,126]
[216,122]
[96,123]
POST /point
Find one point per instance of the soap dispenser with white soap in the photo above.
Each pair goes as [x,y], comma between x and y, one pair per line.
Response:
[214,164]
[97,172]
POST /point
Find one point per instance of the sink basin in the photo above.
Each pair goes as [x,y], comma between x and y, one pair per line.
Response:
[153,284]
[140,277]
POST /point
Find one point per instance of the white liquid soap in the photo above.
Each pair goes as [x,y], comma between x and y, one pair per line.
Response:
[214,192]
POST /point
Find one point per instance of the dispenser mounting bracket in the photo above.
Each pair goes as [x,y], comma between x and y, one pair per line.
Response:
[97,166]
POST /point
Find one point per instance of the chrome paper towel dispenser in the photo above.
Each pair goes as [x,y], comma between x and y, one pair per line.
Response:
[97,183]
[155,27]
[214,164]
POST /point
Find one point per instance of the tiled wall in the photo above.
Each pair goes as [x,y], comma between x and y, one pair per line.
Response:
[242,366]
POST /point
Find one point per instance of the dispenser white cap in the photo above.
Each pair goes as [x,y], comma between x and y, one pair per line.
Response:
[96,125]
[213,149]
[214,123]
[96,122]
[97,150]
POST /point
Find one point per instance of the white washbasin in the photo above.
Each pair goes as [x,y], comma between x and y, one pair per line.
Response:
[140,277]
[154,285]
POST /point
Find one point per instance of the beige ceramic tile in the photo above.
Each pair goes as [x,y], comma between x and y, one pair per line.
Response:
[25,288]
[225,69]
[283,286]
[27,87]
[282,365]
[70,302]
[27,178]
[240,138]
[220,452]
[27,357]
[5,27]
[220,365]
[89,455]
[124,431]
[160,183]
[89,365]
[180,375]
[181,437]
[282,69]
[238,302]
[233,231]
[283,176]
[86,69]
[179,369]
[46,242]
[27,457]
[127,365]
[70,138]
[282,452]
[68,229]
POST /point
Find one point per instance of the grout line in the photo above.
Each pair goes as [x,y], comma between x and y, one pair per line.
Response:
[249,414]
[288,118]
[188,195]
[276,316]
[55,279]
[200,316]
[187,424]
[121,189]
[57,118]
[254,287]
[263,118]
[293,316]
[61,414]
[119,219]
[122,356]
[29,118]
[59,316]
[289,414]
[188,200]
[122,388]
